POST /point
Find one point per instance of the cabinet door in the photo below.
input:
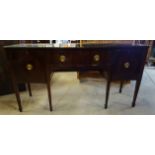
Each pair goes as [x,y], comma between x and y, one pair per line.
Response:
[127,63]
[28,65]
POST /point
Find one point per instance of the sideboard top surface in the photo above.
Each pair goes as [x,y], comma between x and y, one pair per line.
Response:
[70,46]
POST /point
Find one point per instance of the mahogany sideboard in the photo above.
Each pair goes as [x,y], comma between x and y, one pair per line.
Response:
[34,63]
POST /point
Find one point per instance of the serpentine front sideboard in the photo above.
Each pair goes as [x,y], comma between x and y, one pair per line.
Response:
[34,63]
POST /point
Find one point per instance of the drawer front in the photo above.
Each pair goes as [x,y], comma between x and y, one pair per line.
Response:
[28,66]
[60,59]
[98,58]
[78,59]
[88,58]
[127,63]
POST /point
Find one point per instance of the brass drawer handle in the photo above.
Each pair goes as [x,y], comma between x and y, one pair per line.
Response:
[96,58]
[126,65]
[62,58]
[29,67]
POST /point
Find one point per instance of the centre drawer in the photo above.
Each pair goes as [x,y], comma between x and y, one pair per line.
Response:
[77,58]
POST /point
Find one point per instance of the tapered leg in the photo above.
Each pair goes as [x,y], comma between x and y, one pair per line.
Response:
[121,86]
[49,96]
[49,92]
[29,88]
[15,87]
[138,82]
[107,93]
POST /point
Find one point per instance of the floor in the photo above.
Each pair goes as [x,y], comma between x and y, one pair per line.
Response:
[71,97]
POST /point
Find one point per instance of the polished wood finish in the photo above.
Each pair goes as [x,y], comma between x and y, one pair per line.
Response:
[35,63]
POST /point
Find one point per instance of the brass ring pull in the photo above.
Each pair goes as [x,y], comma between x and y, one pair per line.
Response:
[126,65]
[62,58]
[96,57]
[29,67]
